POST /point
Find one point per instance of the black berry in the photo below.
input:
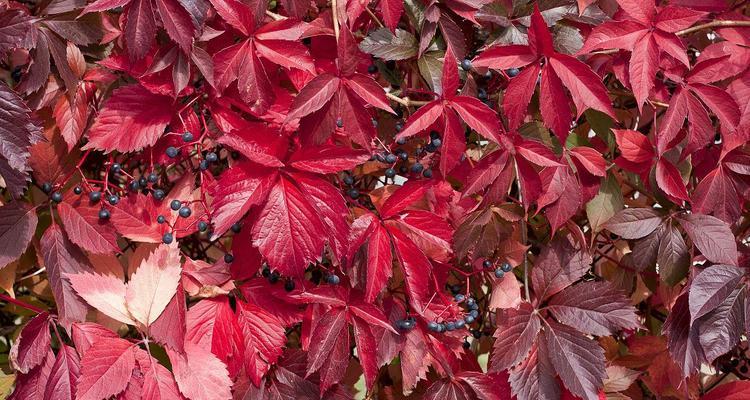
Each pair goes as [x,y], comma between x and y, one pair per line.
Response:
[175,205]
[167,238]
[103,213]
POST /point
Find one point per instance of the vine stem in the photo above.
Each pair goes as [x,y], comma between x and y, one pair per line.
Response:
[524,235]
[405,101]
[334,9]
[21,304]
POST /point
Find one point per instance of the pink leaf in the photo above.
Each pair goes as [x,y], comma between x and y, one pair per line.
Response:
[200,375]
[105,369]
[153,284]
[106,293]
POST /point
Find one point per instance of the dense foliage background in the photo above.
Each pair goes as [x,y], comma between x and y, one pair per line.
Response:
[453,199]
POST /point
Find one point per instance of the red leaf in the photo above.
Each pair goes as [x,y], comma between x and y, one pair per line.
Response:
[140,29]
[634,146]
[737,390]
[711,287]
[634,223]
[213,326]
[379,262]
[643,65]
[449,78]
[288,230]
[670,181]
[643,11]
[584,85]
[673,119]
[518,95]
[199,374]
[454,143]
[85,334]
[32,345]
[329,348]
[105,369]
[721,103]
[391,10]
[540,40]
[131,109]
[711,236]
[405,196]
[134,217]
[264,337]
[64,375]
[672,19]
[601,315]
[169,328]
[535,377]
[591,159]
[369,91]
[421,119]
[241,187]
[558,266]
[577,359]
[327,159]
[553,104]
[313,96]
[84,228]
[416,268]
[515,335]
[177,23]
[478,116]
[62,258]
[505,57]
[17,226]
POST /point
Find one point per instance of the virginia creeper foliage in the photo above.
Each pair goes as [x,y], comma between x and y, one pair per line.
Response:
[387,199]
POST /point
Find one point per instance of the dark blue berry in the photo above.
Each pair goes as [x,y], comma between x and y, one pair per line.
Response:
[46,187]
[403,155]
[401,141]
[466,64]
[289,285]
[474,313]
[348,180]
[134,186]
[460,323]
[450,326]
[203,165]
[113,199]
[474,306]
[340,123]
[470,302]
[436,142]
[153,178]
[430,148]
[417,168]
[103,213]
[441,328]
[434,135]
[175,205]
[57,197]
[161,219]
[487,263]
[185,212]
[187,137]
[390,172]
[506,267]
[399,127]
[459,298]
[380,158]
[499,273]
[476,333]
[236,227]
[167,238]
[372,68]
[212,157]
[77,190]
[512,72]
[353,193]
[115,168]
[482,94]
[432,325]
[468,319]
[202,226]
[333,279]
[374,123]
[390,158]
[95,196]
[274,277]
[159,194]
[427,173]
[143,182]
[172,152]
[487,75]
[228,258]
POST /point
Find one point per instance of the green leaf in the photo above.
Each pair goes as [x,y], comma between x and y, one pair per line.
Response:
[431,68]
[606,203]
[384,44]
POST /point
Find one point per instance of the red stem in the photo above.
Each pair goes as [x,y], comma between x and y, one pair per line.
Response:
[21,304]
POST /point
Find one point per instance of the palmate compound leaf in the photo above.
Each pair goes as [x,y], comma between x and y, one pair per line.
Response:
[577,359]
[140,301]
[17,226]
[17,130]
